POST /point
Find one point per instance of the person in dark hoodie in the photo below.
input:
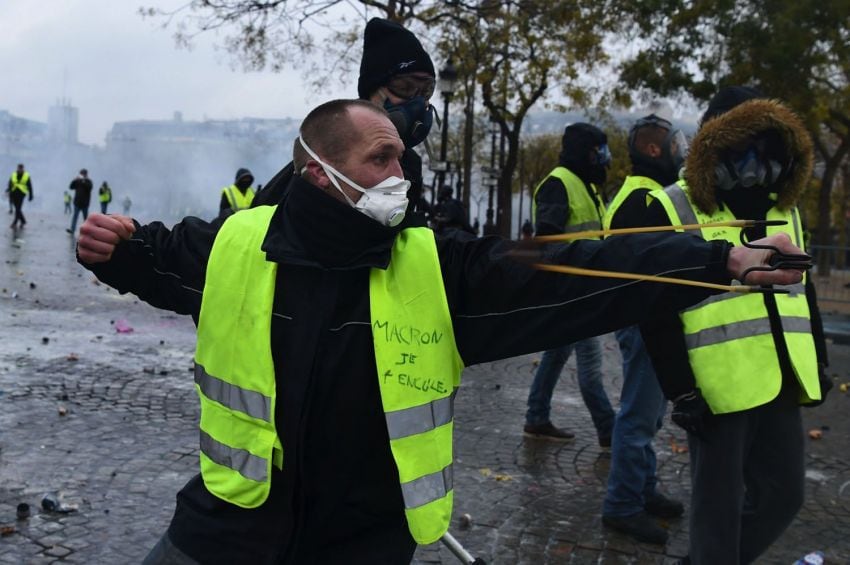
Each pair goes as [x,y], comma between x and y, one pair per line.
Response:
[326,428]
[82,187]
[237,196]
[738,366]
[632,501]
[396,74]
[568,200]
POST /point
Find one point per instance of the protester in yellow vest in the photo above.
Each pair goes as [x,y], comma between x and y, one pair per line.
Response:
[19,187]
[104,196]
[331,336]
[237,196]
[632,500]
[569,200]
[738,366]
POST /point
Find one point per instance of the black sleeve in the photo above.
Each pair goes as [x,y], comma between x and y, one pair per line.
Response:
[165,268]
[224,204]
[273,191]
[664,335]
[553,208]
[502,307]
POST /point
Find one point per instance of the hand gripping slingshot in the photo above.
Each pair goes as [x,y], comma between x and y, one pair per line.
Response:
[778,259]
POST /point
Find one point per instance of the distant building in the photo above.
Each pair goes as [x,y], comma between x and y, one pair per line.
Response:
[63,121]
[20,138]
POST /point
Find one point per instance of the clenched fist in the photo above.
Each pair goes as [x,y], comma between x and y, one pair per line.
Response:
[99,235]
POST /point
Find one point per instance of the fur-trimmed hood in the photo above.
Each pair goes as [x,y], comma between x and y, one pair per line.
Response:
[739,124]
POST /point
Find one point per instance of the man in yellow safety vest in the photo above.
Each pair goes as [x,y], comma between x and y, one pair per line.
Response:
[20,186]
[738,366]
[331,341]
[237,196]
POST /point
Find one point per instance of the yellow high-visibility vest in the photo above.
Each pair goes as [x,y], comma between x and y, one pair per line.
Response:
[418,370]
[585,214]
[631,184]
[728,336]
[236,199]
[20,183]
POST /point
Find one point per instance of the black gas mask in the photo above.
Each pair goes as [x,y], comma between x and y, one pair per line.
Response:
[412,118]
[761,164]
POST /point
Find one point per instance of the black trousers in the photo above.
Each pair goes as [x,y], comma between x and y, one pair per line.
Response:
[747,479]
[17,198]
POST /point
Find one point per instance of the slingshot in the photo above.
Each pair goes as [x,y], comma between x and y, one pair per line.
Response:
[778,260]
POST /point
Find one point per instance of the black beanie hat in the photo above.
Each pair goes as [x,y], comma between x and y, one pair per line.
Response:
[727,98]
[389,49]
[243,173]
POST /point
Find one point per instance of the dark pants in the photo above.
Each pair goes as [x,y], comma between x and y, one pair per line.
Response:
[747,480]
[103,206]
[77,210]
[17,198]
[166,553]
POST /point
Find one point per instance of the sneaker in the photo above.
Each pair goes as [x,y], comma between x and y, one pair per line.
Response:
[68,230]
[547,431]
[639,526]
[605,442]
[662,507]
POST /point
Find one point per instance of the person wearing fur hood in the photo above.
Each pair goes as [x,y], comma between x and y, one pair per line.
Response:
[738,366]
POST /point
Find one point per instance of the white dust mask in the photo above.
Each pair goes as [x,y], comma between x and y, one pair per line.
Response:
[385,202]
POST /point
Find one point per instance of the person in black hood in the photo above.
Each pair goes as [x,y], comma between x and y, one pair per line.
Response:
[737,367]
[237,196]
[397,74]
[315,446]
[568,200]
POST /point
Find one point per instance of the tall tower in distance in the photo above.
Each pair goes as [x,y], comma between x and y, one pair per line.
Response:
[63,122]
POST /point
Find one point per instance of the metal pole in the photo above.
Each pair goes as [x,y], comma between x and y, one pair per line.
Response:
[458,550]
[444,142]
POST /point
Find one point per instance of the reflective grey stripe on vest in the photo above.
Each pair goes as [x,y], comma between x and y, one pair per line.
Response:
[419,419]
[793,289]
[748,328]
[797,235]
[682,206]
[246,464]
[242,400]
[583,227]
[429,488]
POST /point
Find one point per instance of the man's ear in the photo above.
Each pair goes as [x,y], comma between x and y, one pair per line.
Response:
[317,173]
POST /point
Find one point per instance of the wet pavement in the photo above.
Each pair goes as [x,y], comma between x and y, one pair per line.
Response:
[106,420]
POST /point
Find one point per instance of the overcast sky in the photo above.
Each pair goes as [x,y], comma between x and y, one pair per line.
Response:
[114,66]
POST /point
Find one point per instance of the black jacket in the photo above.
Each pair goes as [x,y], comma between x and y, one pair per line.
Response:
[337,499]
[82,188]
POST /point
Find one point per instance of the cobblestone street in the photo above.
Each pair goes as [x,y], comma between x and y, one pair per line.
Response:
[107,420]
